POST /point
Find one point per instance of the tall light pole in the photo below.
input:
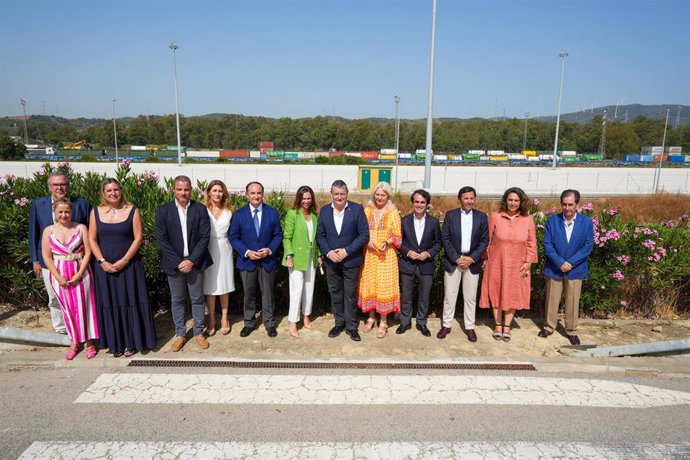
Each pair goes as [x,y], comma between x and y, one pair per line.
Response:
[396,99]
[524,138]
[22,101]
[115,132]
[173,46]
[661,155]
[429,119]
[563,54]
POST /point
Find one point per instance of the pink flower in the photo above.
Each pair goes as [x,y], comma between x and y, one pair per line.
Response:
[649,244]
[624,303]
[21,201]
[536,201]
[624,260]
[126,162]
[618,275]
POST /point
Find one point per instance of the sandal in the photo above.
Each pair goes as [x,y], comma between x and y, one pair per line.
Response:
[371,322]
[498,332]
[71,353]
[91,352]
[211,330]
[307,323]
[225,330]
[506,335]
[129,353]
[383,330]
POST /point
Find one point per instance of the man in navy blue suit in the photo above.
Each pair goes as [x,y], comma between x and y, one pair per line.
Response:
[41,216]
[341,232]
[568,241]
[421,241]
[183,230]
[255,235]
[465,238]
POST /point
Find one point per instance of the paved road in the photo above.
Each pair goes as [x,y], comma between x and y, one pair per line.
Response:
[331,413]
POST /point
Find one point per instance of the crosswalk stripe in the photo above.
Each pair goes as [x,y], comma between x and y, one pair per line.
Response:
[349,450]
[386,389]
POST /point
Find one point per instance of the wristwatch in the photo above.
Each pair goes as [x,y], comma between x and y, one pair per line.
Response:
[100,261]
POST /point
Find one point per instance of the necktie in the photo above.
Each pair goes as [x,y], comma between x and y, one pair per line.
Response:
[256,220]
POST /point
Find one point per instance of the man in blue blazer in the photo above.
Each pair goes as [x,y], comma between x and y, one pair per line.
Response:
[341,233]
[40,217]
[465,238]
[255,235]
[568,241]
[183,230]
[421,241]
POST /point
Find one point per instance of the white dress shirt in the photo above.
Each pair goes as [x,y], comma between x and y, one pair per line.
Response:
[338,217]
[569,227]
[182,213]
[419,228]
[466,229]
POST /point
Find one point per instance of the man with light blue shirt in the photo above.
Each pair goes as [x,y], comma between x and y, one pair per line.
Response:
[568,241]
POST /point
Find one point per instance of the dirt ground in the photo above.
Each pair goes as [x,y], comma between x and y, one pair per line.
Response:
[412,345]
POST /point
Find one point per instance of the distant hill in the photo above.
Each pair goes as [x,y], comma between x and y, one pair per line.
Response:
[628,113]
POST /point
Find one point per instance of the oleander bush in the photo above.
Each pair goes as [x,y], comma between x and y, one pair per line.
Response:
[636,268]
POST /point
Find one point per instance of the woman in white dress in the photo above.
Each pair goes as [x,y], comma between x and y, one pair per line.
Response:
[219,279]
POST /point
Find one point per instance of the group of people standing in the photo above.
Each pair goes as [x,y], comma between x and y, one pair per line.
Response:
[368,252]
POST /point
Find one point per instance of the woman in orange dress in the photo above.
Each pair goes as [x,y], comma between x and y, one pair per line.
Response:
[379,291]
[512,251]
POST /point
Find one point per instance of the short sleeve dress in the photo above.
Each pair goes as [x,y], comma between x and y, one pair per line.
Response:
[512,242]
[219,278]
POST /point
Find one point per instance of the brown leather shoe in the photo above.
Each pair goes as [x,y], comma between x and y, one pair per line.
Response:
[178,344]
[574,340]
[471,335]
[443,332]
[201,341]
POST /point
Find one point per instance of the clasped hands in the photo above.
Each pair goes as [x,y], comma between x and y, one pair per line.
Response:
[566,267]
[464,262]
[420,256]
[185,266]
[258,255]
[337,255]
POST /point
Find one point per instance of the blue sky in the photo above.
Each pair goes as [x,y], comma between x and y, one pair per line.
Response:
[302,58]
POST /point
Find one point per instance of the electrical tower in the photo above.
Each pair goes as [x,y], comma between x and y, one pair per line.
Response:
[602,142]
[678,118]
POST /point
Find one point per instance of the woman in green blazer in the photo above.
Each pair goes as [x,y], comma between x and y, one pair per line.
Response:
[301,256]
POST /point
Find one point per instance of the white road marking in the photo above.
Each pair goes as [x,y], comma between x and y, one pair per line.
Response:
[347,450]
[361,389]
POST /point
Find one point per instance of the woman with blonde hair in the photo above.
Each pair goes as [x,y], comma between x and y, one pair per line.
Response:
[219,278]
[378,280]
[116,232]
[301,256]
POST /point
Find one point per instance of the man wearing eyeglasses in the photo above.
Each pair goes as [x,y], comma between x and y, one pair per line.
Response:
[41,216]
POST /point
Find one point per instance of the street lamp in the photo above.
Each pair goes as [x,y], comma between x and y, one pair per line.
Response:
[173,46]
[22,101]
[661,155]
[396,99]
[429,120]
[524,138]
[563,54]
[115,132]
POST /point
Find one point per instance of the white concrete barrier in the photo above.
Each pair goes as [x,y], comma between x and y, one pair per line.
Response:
[535,180]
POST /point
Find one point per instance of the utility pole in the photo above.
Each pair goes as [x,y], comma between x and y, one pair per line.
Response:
[115,132]
[661,155]
[563,54]
[602,141]
[396,99]
[22,101]
[429,119]
[524,138]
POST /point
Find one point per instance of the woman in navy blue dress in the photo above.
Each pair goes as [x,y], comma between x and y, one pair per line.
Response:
[125,318]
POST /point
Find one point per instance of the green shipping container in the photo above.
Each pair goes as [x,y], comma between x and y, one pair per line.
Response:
[470,156]
[291,155]
[594,157]
[570,159]
[420,156]
[275,154]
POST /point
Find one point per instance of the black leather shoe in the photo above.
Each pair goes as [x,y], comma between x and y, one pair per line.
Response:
[424,330]
[544,333]
[471,335]
[574,340]
[354,335]
[272,332]
[246,330]
[403,328]
[336,331]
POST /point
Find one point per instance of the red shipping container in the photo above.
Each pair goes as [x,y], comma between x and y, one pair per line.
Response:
[226,153]
[266,149]
[267,145]
[370,155]
[335,154]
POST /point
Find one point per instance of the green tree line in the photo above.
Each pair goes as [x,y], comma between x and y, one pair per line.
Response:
[323,133]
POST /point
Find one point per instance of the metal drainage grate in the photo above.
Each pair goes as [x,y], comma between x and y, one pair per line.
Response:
[308,365]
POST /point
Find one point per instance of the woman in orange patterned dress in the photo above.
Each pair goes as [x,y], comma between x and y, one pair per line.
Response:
[512,251]
[378,280]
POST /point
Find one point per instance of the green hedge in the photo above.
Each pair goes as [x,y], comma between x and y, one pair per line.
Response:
[643,269]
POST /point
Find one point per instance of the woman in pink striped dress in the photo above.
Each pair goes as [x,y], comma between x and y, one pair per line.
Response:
[66,252]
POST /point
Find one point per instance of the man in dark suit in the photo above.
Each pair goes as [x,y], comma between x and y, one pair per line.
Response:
[183,230]
[465,238]
[40,217]
[568,241]
[421,241]
[341,232]
[255,235]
